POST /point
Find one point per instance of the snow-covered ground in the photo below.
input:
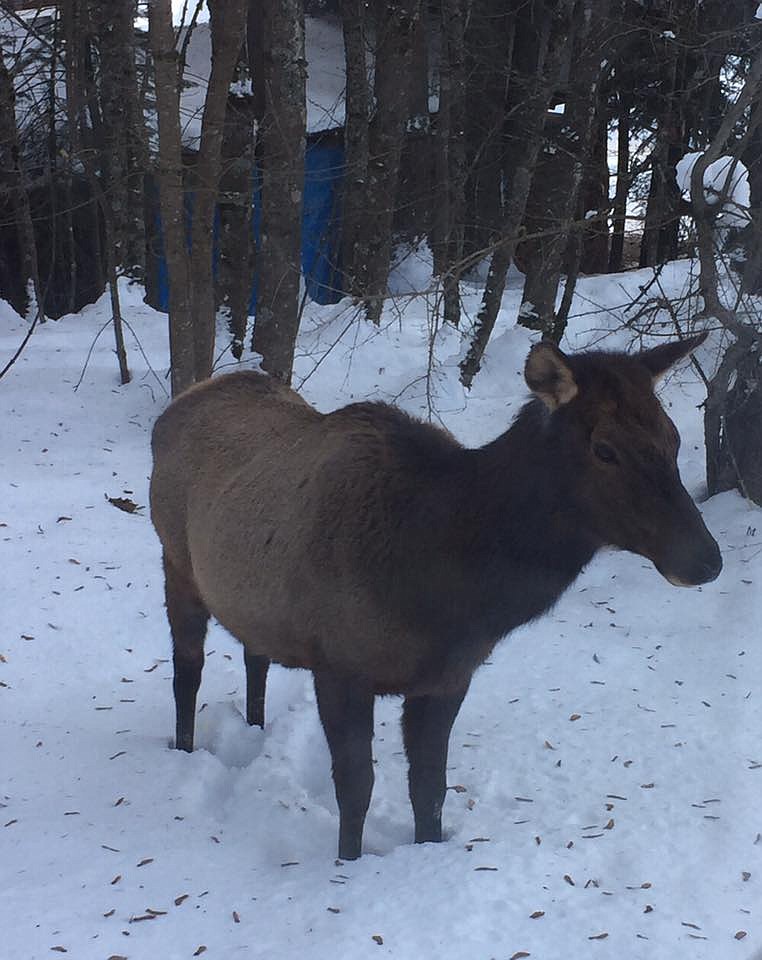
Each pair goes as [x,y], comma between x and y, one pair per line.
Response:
[605,770]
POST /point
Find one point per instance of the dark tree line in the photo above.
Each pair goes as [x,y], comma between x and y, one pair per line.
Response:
[480,125]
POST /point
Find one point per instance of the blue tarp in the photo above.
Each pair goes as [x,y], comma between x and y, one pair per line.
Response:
[320,228]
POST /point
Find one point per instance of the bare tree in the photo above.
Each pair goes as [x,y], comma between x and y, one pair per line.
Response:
[560,194]
[733,411]
[623,179]
[227,28]
[170,179]
[532,80]
[451,171]
[14,178]
[395,32]
[489,35]
[357,113]
[122,150]
[282,143]
[236,262]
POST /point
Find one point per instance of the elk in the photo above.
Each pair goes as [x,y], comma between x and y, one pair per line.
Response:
[376,551]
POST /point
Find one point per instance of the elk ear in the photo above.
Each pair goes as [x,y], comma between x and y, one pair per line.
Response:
[659,359]
[549,376]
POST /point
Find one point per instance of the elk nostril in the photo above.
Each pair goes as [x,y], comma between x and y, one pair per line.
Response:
[711,567]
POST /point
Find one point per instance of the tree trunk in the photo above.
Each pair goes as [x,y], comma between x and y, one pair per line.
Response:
[124,157]
[752,270]
[97,154]
[594,193]
[663,209]
[71,15]
[227,27]
[170,181]
[529,95]
[488,45]
[616,251]
[357,100]
[14,177]
[733,410]
[450,195]
[236,262]
[396,24]
[115,81]
[282,142]
[573,162]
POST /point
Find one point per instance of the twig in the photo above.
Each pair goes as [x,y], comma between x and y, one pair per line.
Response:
[143,354]
[24,342]
[89,354]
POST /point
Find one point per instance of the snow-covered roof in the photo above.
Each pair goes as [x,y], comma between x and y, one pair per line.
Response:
[325,77]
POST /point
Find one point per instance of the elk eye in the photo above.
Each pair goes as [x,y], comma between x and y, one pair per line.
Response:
[605,453]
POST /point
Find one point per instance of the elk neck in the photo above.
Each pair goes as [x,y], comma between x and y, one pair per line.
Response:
[527,539]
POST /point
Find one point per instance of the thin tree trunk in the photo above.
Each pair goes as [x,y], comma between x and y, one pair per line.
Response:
[357,100]
[236,261]
[227,27]
[113,283]
[450,196]
[170,180]
[15,179]
[616,251]
[531,85]
[396,23]
[662,210]
[71,15]
[744,351]
[88,146]
[115,78]
[594,196]
[488,48]
[124,157]
[571,269]
[752,269]
[544,273]
[282,141]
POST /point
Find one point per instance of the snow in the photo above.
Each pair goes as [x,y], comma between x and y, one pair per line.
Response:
[638,820]
[726,181]
[324,50]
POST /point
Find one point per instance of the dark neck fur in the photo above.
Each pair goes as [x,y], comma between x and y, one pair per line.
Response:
[511,539]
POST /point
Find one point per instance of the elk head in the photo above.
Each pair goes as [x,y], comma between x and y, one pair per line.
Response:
[619,449]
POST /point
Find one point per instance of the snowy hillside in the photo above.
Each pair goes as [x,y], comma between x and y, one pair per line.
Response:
[605,769]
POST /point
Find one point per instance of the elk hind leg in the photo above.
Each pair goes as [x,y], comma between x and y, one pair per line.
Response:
[188,619]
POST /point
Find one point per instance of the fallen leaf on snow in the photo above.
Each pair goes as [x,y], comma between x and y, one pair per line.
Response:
[122,503]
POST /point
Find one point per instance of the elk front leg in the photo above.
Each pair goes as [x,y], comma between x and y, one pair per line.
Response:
[256,681]
[346,712]
[188,619]
[426,725]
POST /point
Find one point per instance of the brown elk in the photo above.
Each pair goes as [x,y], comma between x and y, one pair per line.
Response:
[376,551]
